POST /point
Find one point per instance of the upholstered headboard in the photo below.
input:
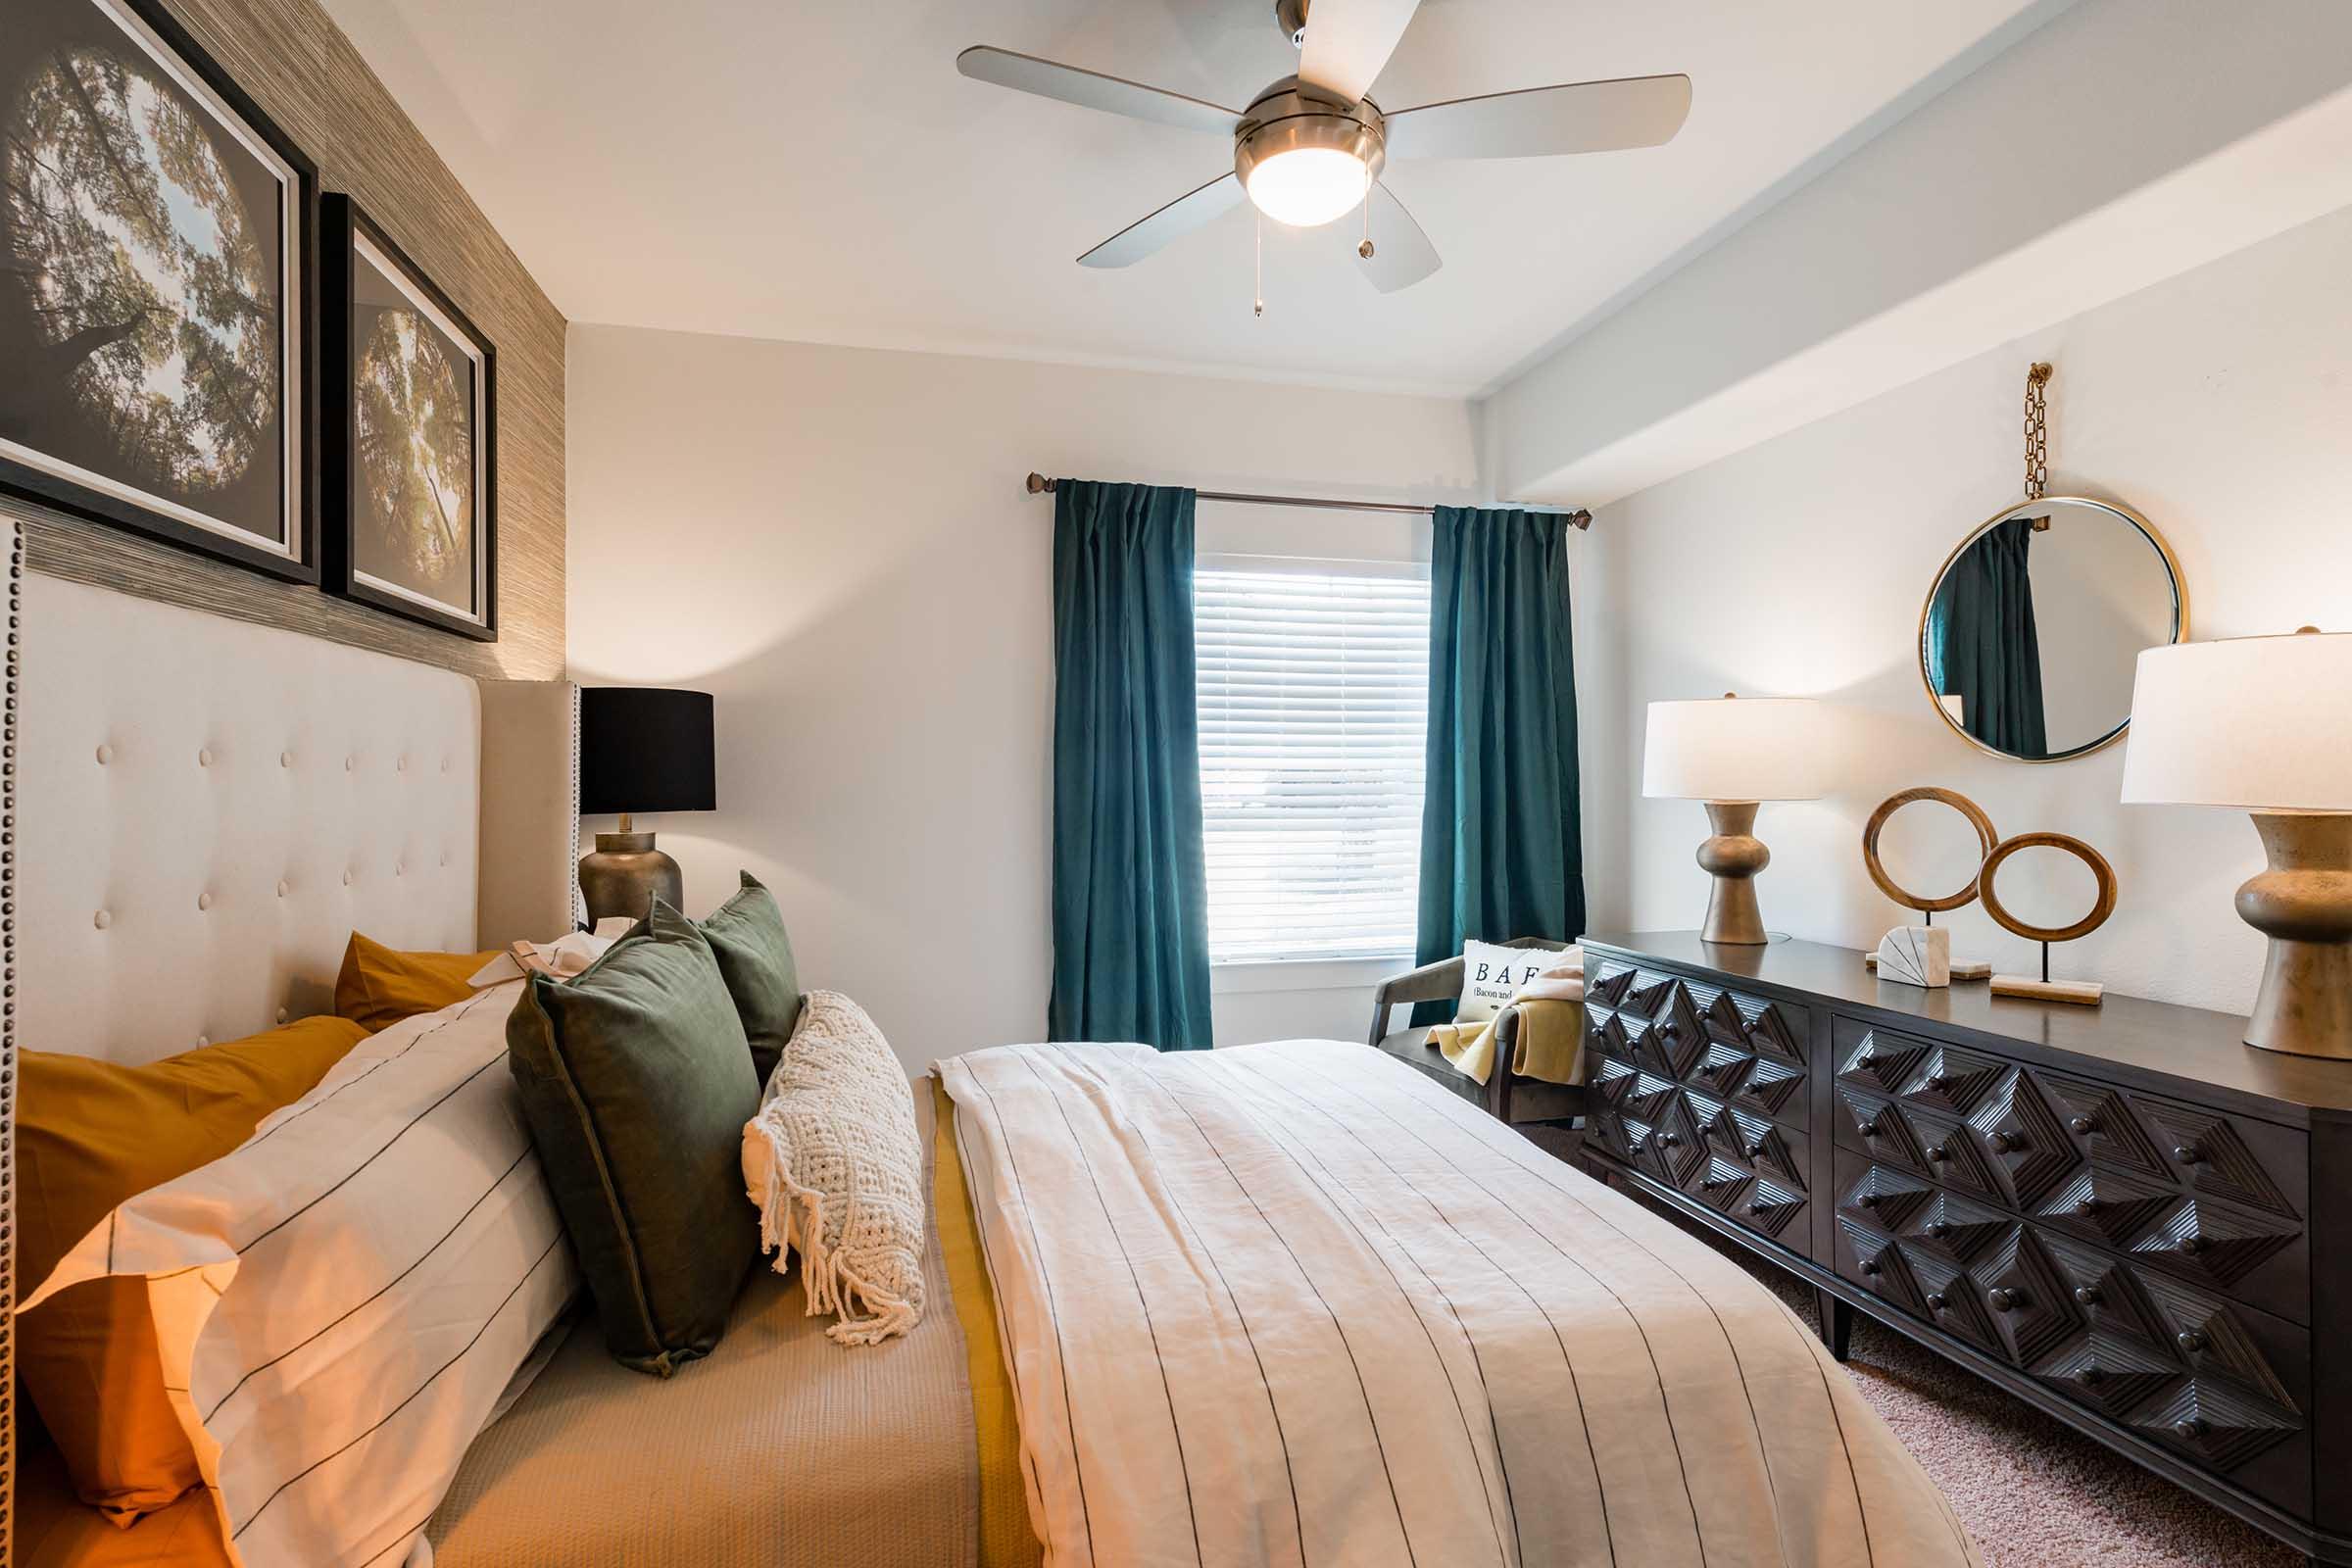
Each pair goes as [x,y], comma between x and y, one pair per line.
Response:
[221,805]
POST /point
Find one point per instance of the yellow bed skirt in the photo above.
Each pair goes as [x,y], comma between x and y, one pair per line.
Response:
[1007,1538]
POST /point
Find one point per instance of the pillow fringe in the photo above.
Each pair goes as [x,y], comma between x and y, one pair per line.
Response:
[830,1283]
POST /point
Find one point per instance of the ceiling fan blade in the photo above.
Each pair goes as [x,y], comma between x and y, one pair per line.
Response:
[1402,254]
[1348,41]
[1579,117]
[1182,216]
[1092,89]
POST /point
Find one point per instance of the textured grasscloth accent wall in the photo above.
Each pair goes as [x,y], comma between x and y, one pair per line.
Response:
[297,65]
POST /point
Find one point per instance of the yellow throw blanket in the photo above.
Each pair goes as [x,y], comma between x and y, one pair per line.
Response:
[1551,1035]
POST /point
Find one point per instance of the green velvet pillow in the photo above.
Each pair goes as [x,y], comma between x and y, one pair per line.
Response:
[747,936]
[636,1081]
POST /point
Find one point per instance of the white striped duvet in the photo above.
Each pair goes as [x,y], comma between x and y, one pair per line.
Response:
[1294,1305]
[340,1302]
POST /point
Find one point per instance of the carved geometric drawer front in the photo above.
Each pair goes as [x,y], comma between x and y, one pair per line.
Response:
[1702,1088]
[1719,1042]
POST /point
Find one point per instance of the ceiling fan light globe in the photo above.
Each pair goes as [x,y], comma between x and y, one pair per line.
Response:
[1309,186]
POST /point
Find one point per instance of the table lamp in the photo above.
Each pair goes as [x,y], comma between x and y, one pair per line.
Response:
[2262,724]
[642,749]
[1733,753]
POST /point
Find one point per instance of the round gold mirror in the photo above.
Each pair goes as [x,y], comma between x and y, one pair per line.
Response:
[2033,627]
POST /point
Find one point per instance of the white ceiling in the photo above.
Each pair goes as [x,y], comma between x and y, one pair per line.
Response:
[821,171]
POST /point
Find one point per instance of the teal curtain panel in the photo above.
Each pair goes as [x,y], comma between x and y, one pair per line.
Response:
[1981,645]
[1130,884]
[1501,828]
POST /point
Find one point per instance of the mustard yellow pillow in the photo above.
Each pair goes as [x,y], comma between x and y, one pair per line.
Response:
[379,987]
[91,1135]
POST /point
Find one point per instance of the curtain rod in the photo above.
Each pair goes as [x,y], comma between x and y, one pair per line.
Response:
[1039,485]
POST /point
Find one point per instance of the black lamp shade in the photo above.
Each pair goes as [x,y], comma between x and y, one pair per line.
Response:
[645,748]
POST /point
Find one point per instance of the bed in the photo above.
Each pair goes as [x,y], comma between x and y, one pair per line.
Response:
[1287,1304]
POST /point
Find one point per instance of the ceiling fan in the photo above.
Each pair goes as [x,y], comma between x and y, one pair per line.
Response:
[1310,148]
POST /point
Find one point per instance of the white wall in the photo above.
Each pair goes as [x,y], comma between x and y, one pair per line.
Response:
[834,542]
[2216,403]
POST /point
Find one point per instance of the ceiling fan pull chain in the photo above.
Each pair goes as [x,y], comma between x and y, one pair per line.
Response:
[1259,288]
[1365,249]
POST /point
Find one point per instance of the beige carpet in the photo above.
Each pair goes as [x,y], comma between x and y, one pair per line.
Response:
[2033,1491]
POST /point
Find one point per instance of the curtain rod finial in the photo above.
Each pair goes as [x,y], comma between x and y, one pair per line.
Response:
[1039,484]
[1580,520]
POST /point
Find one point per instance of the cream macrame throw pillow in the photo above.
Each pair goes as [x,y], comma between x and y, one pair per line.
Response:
[834,1166]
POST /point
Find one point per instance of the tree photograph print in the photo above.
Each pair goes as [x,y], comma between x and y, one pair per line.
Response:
[414,405]
[148,236]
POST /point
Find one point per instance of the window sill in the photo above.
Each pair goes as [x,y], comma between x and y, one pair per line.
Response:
[1304,974]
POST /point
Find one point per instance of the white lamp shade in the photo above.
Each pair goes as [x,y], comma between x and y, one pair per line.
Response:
[2260,724]
[1736,749]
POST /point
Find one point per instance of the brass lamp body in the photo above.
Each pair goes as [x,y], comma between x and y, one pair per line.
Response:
[2304,905]
[1733,857]
[625,873]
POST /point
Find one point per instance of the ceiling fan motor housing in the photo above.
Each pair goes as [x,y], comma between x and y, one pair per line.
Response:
[1289,117]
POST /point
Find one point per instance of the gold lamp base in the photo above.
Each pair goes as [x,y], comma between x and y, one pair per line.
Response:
[625,873]
[2304,905]
[1733,857]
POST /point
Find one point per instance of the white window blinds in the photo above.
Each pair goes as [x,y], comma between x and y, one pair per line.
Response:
[1314,693]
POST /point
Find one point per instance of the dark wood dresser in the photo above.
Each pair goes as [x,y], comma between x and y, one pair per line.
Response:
[2121,1214]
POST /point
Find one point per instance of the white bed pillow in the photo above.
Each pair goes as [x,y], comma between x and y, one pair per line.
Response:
[834,1166]
[1492,974]
[346,1295]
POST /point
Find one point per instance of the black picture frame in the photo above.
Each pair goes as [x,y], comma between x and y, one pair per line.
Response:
[113,499]
[346,236]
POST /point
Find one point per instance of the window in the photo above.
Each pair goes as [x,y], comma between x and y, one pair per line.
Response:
[1314,699]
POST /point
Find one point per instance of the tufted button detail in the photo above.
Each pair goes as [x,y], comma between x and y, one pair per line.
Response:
[281,889]
[400,868]
[281,1015]
[204,900]
[347,765]
[347,879]
[106,754]
[401,767]
[445,765]
[203,757]
[203,1041]
[102,920]
[285,758]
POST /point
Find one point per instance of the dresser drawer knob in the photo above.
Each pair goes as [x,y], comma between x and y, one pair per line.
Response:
[2189,1429]
[2189,1154]
[2005,1142]
[1869,1128]
[2191,1342]
[1936,1302]
[2086,1295]
[2082,1126]
[1671,1140]
[1636,1146]
[1938,1229]
[1870,1267]
[1940,1081]
[1710,1183]
[1870,1199]
[1755,1211]
[1756,1149]
[2193,1244]
[2088,1203]
[2001,1298]
[2093,1375]
[1939,1154]
[1867,1060]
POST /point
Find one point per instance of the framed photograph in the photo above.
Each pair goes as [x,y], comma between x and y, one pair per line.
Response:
[157,286]
[410,394]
